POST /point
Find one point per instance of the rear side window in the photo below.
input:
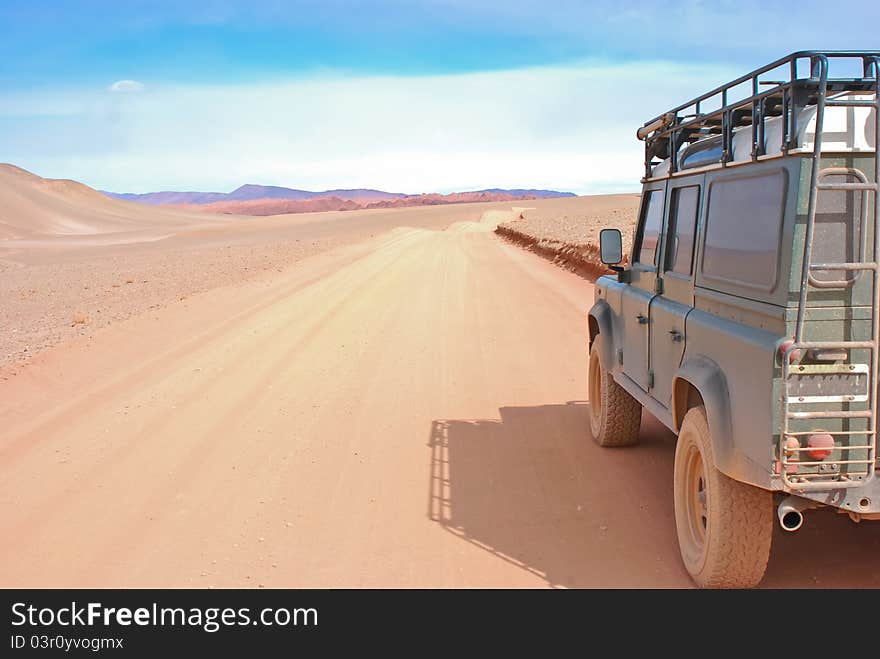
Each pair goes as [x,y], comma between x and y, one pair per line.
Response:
[682,228]
[652,220]
[743,229]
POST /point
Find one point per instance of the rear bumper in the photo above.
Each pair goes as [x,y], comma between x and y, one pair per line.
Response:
[862,500]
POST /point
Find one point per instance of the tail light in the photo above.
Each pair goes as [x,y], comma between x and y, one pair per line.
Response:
[791,453]
[820,445]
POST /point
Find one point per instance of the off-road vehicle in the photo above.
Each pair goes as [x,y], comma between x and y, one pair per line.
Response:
[746,319]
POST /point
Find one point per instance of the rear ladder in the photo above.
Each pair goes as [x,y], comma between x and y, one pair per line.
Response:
[859,457]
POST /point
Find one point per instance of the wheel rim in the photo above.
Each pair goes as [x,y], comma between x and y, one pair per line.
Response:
[595,392]
[696,503]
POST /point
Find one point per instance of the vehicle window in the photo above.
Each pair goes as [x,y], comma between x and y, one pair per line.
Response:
[837,231]
[682,227]
[743,227]
[652,220]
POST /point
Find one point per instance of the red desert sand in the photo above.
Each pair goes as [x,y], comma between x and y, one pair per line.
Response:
[366,398]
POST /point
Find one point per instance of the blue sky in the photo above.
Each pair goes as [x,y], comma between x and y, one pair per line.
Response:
[412,96]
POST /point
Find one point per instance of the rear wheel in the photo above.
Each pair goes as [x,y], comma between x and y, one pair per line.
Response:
[615,416]
[724,526]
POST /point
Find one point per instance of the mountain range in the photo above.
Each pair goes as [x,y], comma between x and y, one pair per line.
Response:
[251,192]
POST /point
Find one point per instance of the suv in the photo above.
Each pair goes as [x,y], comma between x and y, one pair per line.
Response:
[747,318]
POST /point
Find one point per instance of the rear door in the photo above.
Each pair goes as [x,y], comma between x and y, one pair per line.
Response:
[637,296]
[676,298]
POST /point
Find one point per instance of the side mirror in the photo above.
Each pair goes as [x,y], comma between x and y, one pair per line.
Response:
[610,247]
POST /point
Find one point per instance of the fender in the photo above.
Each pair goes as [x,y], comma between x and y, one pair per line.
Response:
[708,379]
[599,322]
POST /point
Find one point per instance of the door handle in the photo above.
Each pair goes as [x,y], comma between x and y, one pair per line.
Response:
[675,335]
[643,320]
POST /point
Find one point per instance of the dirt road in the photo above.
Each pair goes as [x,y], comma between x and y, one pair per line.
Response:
[407,411]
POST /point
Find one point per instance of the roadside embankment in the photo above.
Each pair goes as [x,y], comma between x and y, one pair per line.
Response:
[567,232]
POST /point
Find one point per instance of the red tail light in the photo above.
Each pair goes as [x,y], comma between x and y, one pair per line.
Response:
[820,445]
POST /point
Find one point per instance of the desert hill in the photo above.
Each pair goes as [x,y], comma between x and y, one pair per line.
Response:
[35,207]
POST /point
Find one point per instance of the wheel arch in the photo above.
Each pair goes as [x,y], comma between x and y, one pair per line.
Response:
[599,322]
[700,381]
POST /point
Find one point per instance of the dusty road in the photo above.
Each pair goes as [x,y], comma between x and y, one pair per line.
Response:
[408,411]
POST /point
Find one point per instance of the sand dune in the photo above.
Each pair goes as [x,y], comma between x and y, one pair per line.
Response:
[36,207]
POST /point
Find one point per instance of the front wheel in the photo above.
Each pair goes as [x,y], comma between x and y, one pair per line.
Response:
[615,416]
[724,526]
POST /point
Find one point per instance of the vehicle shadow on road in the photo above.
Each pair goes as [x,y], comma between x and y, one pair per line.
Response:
[828,552]
[533,489]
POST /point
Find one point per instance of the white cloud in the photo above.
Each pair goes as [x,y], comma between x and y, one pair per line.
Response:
[126,86]
[570,128]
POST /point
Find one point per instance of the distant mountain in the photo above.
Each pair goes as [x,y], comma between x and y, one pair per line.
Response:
[161,198]
[270,206]
[248,192]
[252,192]
[537,194]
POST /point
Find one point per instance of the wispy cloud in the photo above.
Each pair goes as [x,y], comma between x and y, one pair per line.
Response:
[126,86]
[570,128]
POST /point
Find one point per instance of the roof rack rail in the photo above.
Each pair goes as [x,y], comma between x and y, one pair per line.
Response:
[750,99]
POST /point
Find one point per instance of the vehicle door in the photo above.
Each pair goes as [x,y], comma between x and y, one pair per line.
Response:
[675,298]
[637,296]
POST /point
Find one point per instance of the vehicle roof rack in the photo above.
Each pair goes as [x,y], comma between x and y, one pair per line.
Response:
[780,89]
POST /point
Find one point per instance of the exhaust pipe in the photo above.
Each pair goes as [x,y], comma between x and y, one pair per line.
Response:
[791,512]
[790,518]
